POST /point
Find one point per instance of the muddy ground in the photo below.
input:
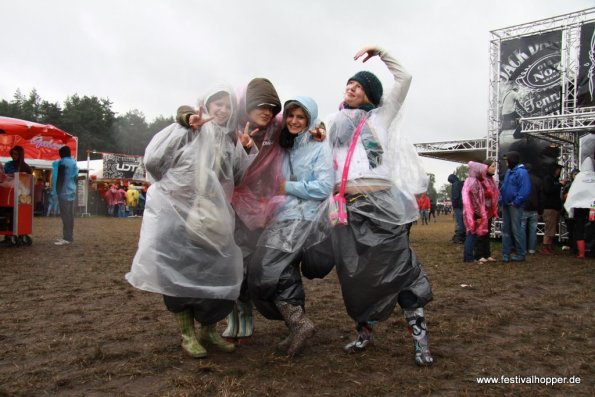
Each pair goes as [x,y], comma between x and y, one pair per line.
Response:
[70,325]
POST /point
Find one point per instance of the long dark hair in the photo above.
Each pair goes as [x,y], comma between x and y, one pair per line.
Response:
[286,138]
[22,166]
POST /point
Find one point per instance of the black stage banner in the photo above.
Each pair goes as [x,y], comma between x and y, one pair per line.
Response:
[530,80]
[585,93]
[122,166]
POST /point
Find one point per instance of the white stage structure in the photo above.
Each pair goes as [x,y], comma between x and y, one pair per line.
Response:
[562,127]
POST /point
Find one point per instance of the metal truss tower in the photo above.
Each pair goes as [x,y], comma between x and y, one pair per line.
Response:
[564,128]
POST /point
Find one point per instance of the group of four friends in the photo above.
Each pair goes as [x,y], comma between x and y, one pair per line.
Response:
[238,211]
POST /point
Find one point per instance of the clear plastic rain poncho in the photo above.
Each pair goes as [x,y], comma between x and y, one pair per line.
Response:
[373,258]
[256,195]
[383,158]
[307,171]
[186,246]
[582,190]
[273,272]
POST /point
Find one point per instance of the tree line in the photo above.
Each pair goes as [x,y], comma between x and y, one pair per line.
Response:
[90,119]
[98,128]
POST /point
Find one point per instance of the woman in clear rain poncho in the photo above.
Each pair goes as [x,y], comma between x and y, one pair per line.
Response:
[274,280]
[259,127]
[376,267]
[257,180]
[579,202]
[186,249]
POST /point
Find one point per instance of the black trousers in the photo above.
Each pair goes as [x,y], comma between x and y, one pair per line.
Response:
[67,215]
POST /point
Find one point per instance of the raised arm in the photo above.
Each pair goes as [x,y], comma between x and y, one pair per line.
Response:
[393,100]
[187,117]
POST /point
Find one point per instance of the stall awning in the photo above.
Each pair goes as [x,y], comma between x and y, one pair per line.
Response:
[40,141]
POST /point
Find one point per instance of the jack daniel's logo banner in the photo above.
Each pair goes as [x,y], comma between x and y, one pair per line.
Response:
[121,166]
[530,79]
[585,93]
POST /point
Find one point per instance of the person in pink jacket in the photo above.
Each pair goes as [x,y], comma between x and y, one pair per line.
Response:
[121,202]
[482,251]
[111,198]
[475,216]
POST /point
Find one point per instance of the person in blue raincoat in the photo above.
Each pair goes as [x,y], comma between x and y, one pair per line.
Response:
[274,280]
[64,174]
[514,192]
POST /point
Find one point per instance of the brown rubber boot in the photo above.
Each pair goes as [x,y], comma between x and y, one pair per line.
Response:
[283,346]
[300,326]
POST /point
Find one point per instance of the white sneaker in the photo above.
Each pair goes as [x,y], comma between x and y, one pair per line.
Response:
[532,252]
[62,242]
[490,259]
[482,260]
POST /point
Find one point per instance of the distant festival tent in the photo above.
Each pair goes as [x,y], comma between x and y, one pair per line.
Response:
[40,141]
[115,167]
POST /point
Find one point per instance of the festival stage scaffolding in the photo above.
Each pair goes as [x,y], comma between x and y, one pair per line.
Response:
[562,128]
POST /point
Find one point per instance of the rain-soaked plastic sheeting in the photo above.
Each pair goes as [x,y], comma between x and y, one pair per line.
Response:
[205,311]
[582,190]
[374,260]
[372,254]
[295,225]
[185,247]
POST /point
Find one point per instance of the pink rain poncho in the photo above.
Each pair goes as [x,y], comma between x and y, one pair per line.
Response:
[475,215]
[492,194]
[256,195]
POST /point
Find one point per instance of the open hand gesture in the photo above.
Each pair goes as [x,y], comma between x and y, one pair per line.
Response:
[246,137]
[197,120]
[319,132]
[370,51]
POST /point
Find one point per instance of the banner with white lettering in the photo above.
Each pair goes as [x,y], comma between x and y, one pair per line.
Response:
[585,94]
[530,86]
[530,79]
[122,166]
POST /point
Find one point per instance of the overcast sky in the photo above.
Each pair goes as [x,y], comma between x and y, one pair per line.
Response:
[155,55]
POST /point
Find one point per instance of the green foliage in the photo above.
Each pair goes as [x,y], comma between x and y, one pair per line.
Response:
[89,118]
[461,172]
[444,193]
[445,190]
[431,192]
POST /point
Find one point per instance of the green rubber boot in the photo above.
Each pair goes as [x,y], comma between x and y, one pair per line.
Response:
[209,336]
[189,342]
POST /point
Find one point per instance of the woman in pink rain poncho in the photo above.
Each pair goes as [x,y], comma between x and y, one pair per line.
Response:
[474,209]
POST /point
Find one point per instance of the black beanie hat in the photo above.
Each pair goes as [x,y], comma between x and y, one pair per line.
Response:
[371,85]
[261,92]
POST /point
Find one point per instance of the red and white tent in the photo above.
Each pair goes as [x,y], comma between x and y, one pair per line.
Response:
[40,141]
